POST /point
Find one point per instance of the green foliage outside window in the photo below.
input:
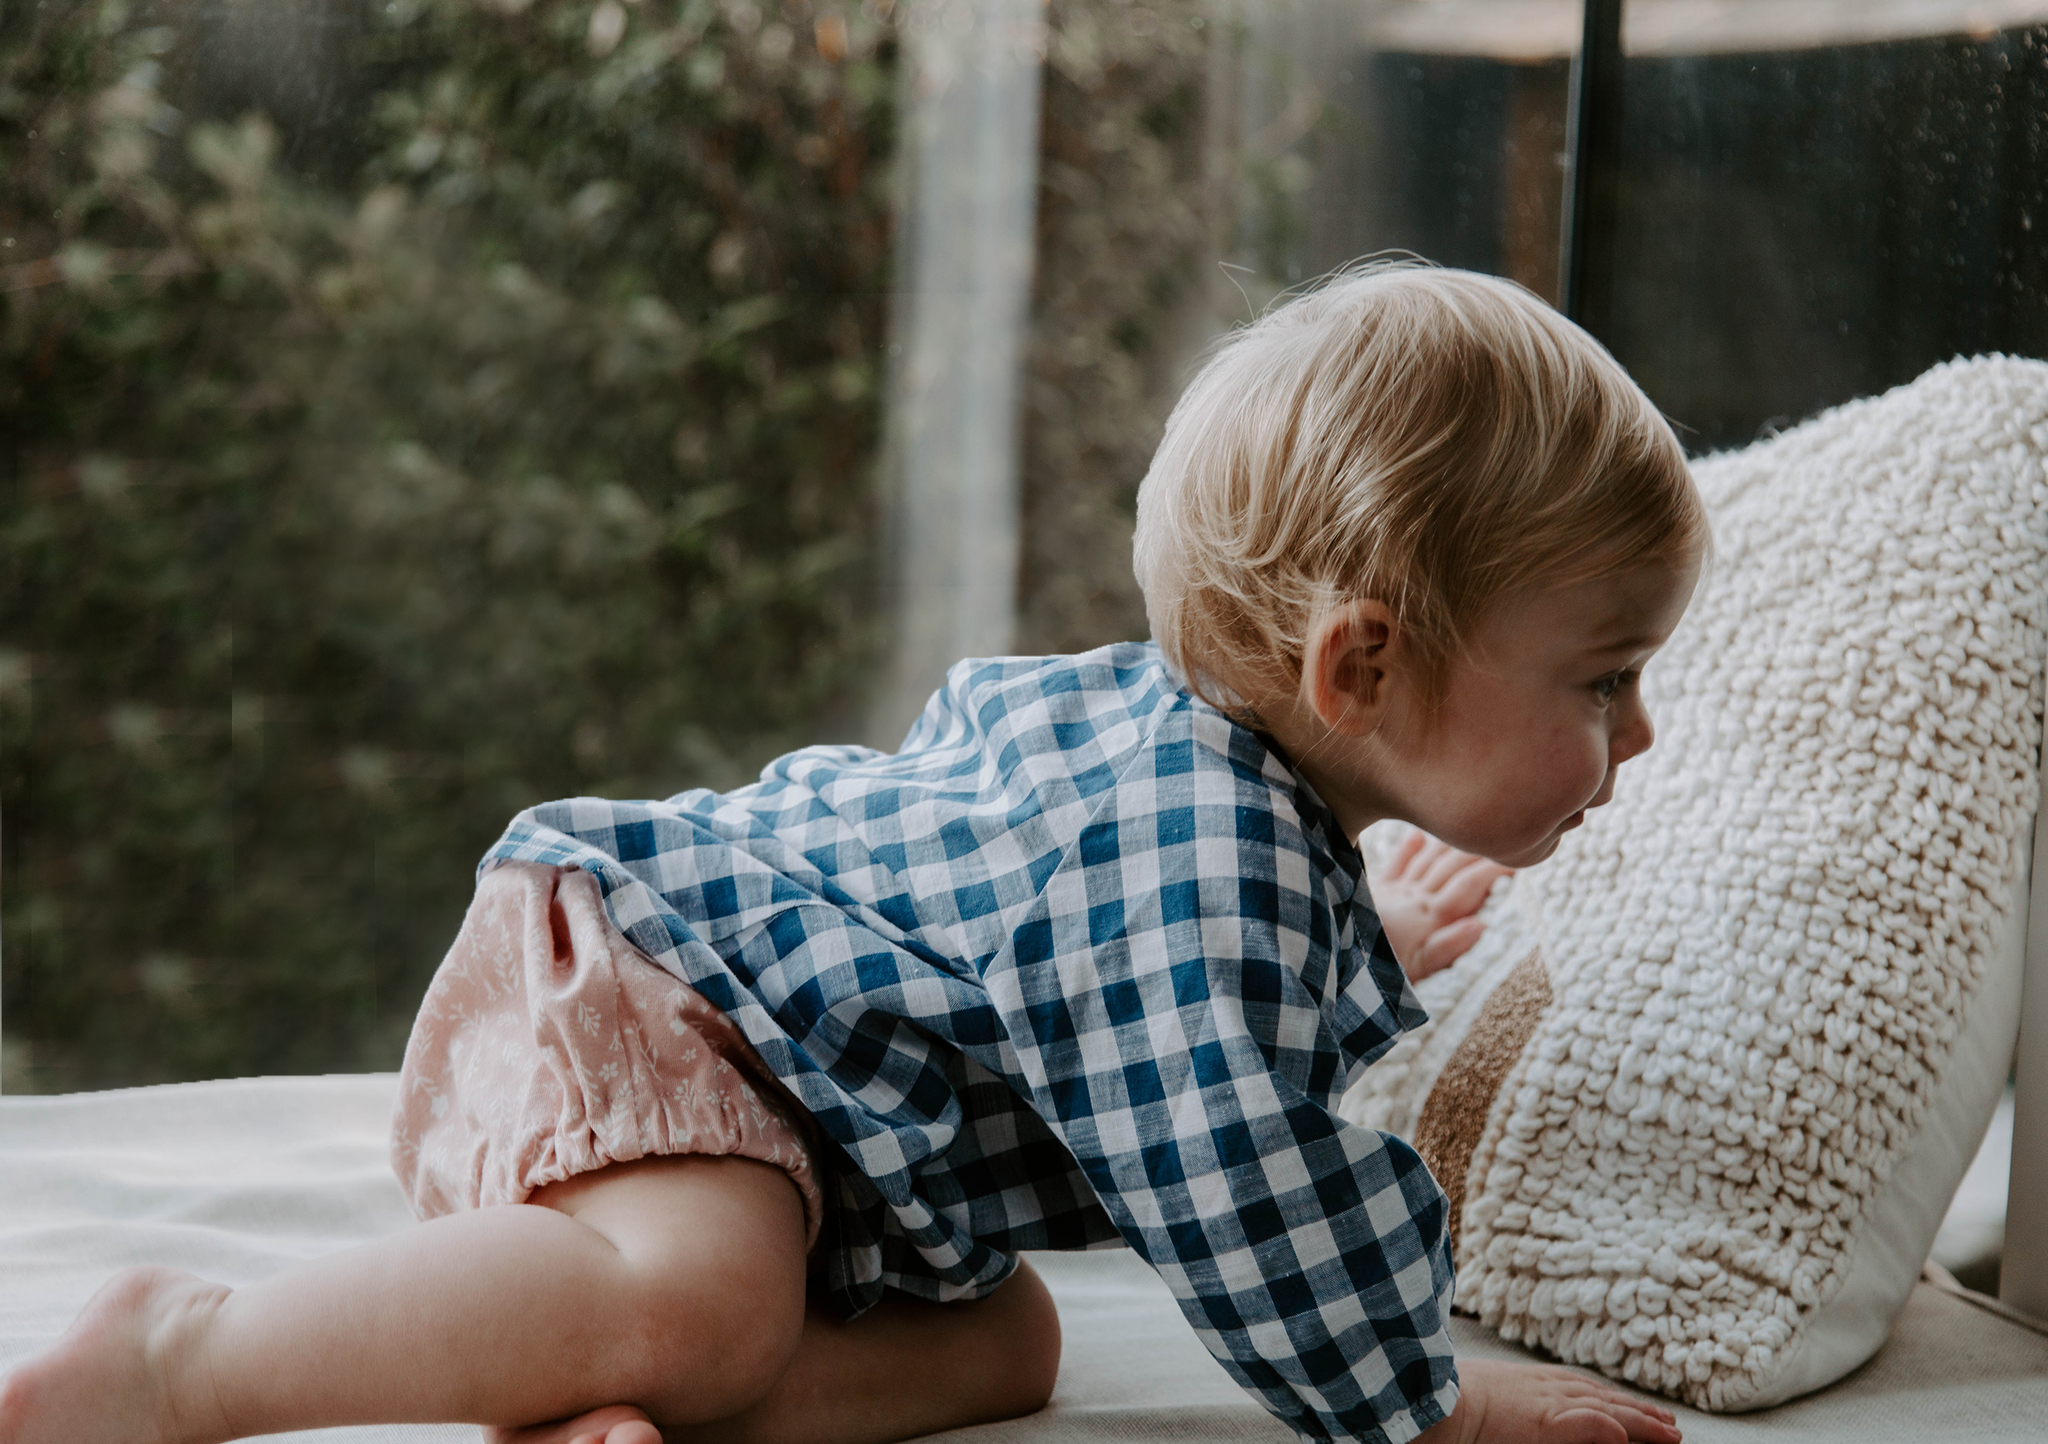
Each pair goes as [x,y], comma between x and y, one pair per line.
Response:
[501,424]
[346,508]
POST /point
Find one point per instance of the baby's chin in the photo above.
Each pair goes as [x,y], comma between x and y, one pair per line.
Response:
[1528,857]
[1521,851]
[1540,850]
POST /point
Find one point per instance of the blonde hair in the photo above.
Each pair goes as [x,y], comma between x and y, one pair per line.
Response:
[1427,438]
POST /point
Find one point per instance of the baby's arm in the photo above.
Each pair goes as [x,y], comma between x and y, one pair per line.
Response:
[1501,1403]
[1427,898]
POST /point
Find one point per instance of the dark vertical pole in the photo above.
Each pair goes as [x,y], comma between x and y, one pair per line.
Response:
[1592,186]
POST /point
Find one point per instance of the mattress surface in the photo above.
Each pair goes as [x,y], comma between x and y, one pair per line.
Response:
[232,1180]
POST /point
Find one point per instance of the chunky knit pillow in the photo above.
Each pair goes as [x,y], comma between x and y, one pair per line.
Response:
[1700,1097]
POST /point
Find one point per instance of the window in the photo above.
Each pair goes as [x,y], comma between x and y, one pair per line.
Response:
[413,410]
[417,409]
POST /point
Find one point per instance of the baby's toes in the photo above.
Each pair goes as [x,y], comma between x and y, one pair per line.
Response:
[632,1431]
[613,1424]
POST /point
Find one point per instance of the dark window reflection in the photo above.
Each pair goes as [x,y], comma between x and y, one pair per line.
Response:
[1817,201]
[1802,226]
[1463,152]
[1428,126]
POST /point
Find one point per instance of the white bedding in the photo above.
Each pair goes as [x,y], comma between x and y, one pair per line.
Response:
[234,1179]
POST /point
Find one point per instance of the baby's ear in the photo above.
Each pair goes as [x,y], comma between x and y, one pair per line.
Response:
[1347,666]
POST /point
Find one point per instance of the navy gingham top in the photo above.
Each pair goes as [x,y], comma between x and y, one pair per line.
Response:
[1084,961]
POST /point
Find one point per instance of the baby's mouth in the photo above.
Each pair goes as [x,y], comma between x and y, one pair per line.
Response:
[1600,799]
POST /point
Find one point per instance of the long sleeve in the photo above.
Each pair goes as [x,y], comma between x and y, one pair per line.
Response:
[1180,1017]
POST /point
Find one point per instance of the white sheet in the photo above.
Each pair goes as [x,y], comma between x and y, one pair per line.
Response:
[232,1180]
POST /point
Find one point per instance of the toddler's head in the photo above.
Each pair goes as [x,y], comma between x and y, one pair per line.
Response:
[1431,439]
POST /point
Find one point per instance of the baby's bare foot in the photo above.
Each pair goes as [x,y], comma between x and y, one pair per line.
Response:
[124,1372]
[614,1424]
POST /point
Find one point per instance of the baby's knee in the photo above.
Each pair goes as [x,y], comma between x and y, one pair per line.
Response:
[1030,1333]
[716,1345]
[710,1265]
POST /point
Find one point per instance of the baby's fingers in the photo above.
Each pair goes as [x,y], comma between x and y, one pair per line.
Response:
[1583,1426]
[1405,855]
[1612,1423]
[1440,863]
[1443,947]
[1639,1418]
[1648,1427]
[1465,891]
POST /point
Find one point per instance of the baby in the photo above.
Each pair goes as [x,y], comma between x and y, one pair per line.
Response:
[729,1115]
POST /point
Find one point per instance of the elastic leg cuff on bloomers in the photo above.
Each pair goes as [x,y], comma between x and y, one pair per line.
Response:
[548,1046]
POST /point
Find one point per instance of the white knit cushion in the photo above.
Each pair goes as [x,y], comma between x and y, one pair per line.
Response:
[1701,1095]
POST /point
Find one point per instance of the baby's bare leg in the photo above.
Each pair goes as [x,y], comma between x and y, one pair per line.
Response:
[677,1285]
[902,1369]
[908,1367]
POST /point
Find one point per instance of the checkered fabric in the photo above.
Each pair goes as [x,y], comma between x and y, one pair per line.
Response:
[1084,961]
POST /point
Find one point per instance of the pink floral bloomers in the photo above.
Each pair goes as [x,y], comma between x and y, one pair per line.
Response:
[548,1045]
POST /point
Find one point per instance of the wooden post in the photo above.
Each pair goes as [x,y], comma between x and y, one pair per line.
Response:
[1593,141]
[2023,1270]
[971,86]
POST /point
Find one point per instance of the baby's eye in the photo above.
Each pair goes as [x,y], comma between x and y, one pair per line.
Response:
[1614,682]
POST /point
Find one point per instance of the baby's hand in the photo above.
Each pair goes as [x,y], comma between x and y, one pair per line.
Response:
[1543,1404]
[1426,899]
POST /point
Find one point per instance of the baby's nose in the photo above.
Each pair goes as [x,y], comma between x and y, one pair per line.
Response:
[1633,737]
